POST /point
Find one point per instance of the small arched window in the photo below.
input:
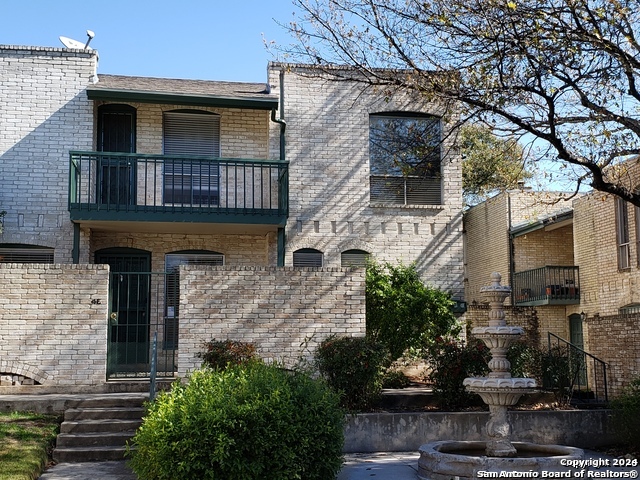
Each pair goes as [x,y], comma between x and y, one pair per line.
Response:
[23,253]
[307,257]
[354,258]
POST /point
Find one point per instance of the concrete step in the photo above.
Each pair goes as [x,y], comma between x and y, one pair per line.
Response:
[111,401]
[88,454]
[97,429]
[102,425]
[122,413]
[100,439]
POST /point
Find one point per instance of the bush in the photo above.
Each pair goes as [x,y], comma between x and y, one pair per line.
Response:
[451,362]
[219,354]
[395,379]
[402,312]
[526,361]
[353,367]
[253,421]
[626,414]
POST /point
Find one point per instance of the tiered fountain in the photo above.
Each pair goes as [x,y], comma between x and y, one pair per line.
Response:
[464,459]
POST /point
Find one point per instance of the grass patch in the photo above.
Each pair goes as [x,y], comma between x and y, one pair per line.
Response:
[26,441]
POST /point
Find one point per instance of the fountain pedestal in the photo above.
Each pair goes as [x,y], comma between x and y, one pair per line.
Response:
[440,460]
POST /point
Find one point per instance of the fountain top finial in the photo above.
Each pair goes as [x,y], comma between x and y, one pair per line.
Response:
[495,285]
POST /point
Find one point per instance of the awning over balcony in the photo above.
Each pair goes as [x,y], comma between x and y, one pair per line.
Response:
[119,88]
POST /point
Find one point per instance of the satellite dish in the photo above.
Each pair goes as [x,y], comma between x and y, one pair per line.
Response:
[71,43]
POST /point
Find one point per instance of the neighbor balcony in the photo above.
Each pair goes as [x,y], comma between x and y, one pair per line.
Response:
[134,188]
[550,285]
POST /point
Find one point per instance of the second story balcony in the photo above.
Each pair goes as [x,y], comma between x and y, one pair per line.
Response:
[118,187]
[550,285]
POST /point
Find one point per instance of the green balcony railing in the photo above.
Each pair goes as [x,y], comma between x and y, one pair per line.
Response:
[550,285]
[136,187]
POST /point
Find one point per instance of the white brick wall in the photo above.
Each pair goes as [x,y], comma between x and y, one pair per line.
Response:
[328,147]
[44,113]
[53,323]
[287,312]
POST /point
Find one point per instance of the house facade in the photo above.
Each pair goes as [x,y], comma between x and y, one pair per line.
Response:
[150,175]
[527,236]
[574,271]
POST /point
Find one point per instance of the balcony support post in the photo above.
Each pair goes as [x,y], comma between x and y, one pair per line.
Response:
[75,252]
[281,247]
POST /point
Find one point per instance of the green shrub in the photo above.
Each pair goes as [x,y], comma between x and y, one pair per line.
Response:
[403,312]
[219,354]
[353,367]
[558,373]
[395,379]
[526,361]
[248,422]
[626,414]
[450,363]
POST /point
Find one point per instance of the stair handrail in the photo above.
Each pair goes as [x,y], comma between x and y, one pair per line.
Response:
[596,361]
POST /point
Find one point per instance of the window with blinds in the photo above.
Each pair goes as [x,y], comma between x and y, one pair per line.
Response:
[404,159]
[172,287]
[19,253]
[622,233]
[191,181]
[354,258]
[307,257]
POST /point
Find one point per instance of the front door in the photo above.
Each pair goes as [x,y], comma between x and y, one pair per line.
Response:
[576,337]
[116,174]
[129,307]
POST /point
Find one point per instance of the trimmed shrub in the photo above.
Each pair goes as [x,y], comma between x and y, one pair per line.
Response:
[402,312]
[252,421]
[353,367]
[451,362]
[626,414]
[219,354]
[526,361]
[395,379]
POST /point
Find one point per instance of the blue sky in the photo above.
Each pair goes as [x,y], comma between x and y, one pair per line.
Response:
[197,39]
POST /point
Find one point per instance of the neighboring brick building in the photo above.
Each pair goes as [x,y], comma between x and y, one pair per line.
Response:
[527,237]
[147,174]
[575,270]
[607,250]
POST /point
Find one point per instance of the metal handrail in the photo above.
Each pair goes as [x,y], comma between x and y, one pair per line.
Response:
[131,182]
[579,371]
[549,283]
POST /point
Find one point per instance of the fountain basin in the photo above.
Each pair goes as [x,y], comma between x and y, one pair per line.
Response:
[466,460]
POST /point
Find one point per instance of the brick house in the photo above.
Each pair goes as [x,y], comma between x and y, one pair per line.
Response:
[573,271]
[176,177]
[527,236]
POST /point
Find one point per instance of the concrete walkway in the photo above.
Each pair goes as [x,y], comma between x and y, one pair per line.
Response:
[359,466]
[396,466]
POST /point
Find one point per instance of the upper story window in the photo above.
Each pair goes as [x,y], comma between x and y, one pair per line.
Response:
[192,180]
[354,258]
[405,159]
[637,215]
[307,257]
[22,253]
[622,233]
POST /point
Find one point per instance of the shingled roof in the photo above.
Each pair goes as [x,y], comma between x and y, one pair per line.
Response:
[182,91]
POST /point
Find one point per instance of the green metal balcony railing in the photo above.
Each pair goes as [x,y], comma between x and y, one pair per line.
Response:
[551,285]
[136,187]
